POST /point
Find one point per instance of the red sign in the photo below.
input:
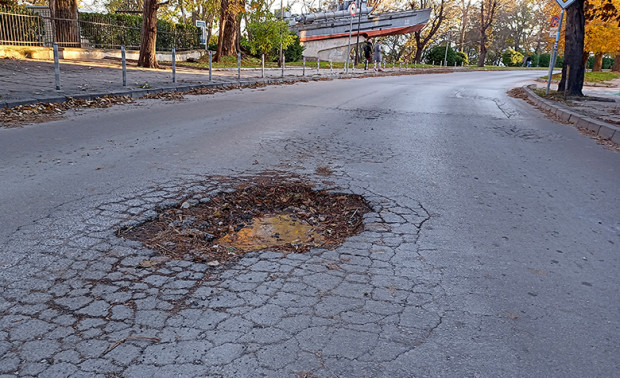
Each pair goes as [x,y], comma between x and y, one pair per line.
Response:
[352,9]
[555,21]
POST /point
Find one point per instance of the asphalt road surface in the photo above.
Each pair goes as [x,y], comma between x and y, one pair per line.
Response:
[493,248]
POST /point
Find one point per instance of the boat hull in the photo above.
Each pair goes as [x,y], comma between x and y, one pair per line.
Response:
[327,39]
[378,25]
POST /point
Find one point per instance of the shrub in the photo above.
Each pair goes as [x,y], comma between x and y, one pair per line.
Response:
[294,52]
[607,62]
[462,59]
[545,58]
[438,53]
[512,58]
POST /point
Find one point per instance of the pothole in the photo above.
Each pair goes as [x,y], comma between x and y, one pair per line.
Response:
[287,217]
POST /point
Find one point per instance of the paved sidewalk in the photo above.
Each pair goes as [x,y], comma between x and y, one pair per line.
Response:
[29,81]
[599,111]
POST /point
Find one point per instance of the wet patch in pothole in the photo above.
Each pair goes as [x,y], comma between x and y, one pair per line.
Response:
[287,217]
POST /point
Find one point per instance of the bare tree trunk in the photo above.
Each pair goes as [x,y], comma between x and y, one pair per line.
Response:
[464,21]
[598,62]
[222,31]
[419,46]
[182,9]
[148,43]
[486,19]
[573,52]
[430,30]
[229,42]
[616,67]
[483,52]
[65,15]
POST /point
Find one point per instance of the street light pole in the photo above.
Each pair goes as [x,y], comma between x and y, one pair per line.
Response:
[357,42]
[281,22]
[445,57]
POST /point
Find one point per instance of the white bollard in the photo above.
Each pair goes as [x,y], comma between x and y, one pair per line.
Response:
[210,63]
[174,65]
[56,67]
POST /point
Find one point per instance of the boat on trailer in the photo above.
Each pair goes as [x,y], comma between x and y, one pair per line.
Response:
[325,35]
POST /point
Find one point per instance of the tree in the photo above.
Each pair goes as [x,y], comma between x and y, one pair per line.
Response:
[486,20]
[148,43]
[65,19]
[607,12]
[601,37]
[572,78]
[465,8]
[266,30]
[230,28]
[423,37]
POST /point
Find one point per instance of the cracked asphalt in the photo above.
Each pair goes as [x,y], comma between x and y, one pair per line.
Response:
[491,249]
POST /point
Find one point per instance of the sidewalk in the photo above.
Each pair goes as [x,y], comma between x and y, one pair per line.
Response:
[598,112]
[29,81]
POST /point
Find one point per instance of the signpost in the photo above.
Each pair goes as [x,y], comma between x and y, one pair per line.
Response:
[563,4]
[203,37]
[352,11]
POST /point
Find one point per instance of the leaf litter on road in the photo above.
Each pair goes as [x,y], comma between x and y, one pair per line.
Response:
[268,215]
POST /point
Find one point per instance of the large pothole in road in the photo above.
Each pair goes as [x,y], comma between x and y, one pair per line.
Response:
[289,217]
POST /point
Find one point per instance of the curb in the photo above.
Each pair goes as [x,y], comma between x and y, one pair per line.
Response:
[602,129]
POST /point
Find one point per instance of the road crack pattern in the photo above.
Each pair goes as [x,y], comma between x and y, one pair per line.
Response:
[76,300]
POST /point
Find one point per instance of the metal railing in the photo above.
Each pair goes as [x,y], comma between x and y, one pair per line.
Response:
[21,27]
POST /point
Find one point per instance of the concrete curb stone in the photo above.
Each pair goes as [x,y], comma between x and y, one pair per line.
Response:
[602,129]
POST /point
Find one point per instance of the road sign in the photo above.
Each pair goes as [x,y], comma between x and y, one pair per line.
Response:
[564,3]
[353,9]
[555,21]
[553,32]
[203,27]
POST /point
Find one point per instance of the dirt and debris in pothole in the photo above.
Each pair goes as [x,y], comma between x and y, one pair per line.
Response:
[287,217]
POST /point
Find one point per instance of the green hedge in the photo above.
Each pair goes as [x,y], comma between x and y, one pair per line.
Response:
[113,30]
[544,59]
[607,62]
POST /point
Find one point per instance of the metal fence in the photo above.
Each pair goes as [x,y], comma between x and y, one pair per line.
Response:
[21,27]
[35,27]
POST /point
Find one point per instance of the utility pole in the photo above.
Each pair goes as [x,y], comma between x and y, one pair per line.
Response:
[281,22]
[445,58]
[357,42]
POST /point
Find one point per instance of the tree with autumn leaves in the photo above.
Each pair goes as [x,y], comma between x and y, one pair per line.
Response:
[602,31]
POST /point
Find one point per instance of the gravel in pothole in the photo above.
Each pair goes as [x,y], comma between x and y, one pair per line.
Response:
[287,217]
